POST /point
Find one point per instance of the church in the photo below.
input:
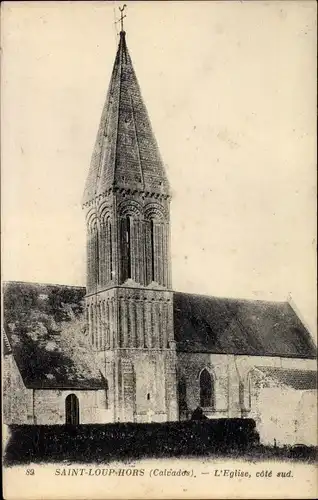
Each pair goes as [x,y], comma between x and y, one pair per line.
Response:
[130,349]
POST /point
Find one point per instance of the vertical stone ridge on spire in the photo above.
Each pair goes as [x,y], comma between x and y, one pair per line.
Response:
[126,154]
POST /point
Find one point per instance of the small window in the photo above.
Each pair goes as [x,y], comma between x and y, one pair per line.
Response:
[126,225]
[182,394]
[206,390]
[148,396]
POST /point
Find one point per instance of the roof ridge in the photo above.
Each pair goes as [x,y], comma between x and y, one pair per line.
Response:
[41,283]
[120,52]
[234,299]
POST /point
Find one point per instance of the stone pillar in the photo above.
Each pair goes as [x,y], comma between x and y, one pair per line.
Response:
[171,386]
[170,326]
[124,322]
[128,390]
[148,326]
[106,341]
[98,326]
[156,324]
[112,324]
[93,317]
[164,320]
[140,327]
[161,324]
[132,323]
[89,321]
[234,389]
[120,324]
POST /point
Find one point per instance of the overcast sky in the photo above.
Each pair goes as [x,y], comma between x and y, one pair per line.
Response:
[230,89]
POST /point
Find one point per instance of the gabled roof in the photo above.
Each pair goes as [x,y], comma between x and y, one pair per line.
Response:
[297,379]
[231,326]
[126,153]
[46,333]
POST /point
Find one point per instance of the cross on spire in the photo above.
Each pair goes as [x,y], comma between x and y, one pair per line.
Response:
[122,17]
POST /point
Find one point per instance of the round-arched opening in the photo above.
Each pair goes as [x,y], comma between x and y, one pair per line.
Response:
[71,410]
[206,390]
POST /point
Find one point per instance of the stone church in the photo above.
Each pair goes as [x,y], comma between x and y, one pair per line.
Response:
[129,348]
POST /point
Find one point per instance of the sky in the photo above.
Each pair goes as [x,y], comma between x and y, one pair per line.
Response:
[230,88]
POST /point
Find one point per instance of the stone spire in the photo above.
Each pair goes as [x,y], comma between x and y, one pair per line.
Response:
[126,154]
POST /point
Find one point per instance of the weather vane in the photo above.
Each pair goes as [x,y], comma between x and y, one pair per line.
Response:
[122,17]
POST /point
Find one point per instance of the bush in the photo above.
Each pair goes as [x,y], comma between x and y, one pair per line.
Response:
[104,443]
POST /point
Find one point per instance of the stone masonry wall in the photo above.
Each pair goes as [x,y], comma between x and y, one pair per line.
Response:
[17,399]
[49,406]
[230,375]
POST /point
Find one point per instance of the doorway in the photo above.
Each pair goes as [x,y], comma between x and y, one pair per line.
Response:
[72,410]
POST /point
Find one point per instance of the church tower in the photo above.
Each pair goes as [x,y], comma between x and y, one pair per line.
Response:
[129,298]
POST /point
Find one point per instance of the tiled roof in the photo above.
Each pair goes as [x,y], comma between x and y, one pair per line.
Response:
[45,326]
[297,379]
[231,326]
[46,332]
[126,153]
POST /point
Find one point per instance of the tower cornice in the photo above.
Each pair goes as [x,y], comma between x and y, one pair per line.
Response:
[125,191]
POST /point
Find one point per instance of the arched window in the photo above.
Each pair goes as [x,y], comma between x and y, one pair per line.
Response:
[71,410]
[206,390]
[109,250]
[241,395]
[182,394]
[126,247]
[96,252]
[152,250]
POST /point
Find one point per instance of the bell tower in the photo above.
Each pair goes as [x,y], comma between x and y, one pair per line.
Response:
[129,298]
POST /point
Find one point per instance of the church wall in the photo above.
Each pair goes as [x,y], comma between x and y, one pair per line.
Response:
[291,421]
[49,406]
[276,424]
[307,419]
[190,366]
[146,386]
[17,399]
[228,373]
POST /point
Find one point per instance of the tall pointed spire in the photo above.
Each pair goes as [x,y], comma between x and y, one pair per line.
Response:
[126,154]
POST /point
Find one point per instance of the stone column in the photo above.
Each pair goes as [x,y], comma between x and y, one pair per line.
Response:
[171,387]
[128,390]
[165,324]
[89,320]
[156,325]
[161,324]
[147,322]
[106,342]
[98,326]
[124,322]
[132,323]
[233,394]
[140,327]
